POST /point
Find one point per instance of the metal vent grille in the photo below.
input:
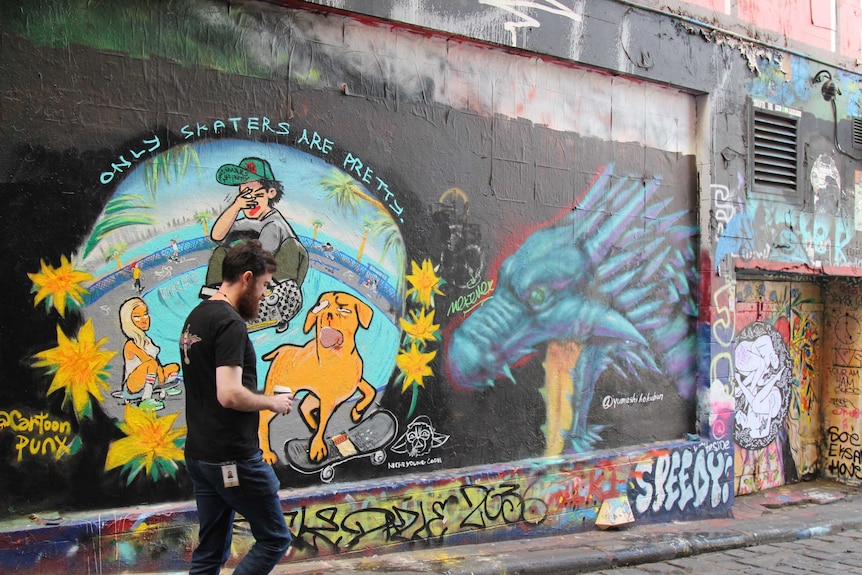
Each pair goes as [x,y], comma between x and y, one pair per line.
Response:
[775,152]
[857,133]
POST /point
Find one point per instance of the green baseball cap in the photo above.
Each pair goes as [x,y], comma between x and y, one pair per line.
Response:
[248,170]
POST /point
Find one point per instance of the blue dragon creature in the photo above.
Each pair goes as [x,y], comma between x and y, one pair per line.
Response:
[608,286]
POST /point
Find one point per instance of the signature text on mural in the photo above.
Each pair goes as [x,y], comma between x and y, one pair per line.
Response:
[610,402]
[38,434]
[481,291]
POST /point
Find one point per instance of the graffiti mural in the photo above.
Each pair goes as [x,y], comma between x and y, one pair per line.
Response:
[608,286]
[762,377]
[145,380]
[158,225]
[494,302]
[385,263]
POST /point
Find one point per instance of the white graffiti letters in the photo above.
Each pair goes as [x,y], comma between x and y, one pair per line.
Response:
[682,480]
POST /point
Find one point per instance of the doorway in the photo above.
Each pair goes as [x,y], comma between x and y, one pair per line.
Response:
[777,373]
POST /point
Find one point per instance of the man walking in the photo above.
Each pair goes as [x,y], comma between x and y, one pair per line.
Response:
[222,454]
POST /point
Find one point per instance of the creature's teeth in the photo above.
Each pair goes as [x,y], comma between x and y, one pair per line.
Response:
[489,382]
[507,371]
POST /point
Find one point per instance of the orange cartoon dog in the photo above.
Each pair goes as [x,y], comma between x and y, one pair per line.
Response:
[329,367]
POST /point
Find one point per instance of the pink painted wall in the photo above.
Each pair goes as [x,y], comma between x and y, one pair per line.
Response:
[833,26]
[850,28]
[802,20]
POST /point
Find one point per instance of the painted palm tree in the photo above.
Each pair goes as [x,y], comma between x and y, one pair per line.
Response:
[367,225]
[173,163]
[115,252]
[203,219]
[385,226]
[316,224]
[346,192]
[121,211]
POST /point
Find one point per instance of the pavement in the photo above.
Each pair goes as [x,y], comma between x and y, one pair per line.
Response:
[794,512]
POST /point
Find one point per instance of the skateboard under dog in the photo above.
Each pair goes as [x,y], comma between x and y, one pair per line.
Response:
[368,438]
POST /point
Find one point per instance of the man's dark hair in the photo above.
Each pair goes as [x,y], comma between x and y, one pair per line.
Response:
[274,184]
[247,255]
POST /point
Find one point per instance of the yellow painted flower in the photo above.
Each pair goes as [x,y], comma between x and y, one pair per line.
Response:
[422,328]
[60,286]
[414,366]
[78,366]
[425,283]
[150,443]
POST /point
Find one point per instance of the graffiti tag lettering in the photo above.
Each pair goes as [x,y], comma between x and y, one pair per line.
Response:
[589,488]
[725,207]
[845,453]
[465,303]
[470,507]
[38,434]
[682,480]
[365,174]
[610,402]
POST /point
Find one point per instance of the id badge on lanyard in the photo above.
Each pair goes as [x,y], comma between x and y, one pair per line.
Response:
[229,474]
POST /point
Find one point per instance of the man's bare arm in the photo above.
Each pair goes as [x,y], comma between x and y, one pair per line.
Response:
[232,395]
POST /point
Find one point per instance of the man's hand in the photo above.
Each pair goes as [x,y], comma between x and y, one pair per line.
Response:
[243,201]
[282,403]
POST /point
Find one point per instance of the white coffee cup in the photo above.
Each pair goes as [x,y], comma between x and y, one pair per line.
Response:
[281,389]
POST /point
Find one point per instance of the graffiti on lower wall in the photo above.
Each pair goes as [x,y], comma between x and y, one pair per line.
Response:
[684,480]
[844,454]
[693,479]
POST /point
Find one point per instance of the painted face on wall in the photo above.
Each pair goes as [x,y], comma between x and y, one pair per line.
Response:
[141,317]
[260,198]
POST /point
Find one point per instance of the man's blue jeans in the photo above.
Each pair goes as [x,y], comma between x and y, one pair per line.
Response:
[255,498]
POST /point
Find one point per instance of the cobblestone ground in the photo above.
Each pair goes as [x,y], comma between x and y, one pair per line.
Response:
[834,554]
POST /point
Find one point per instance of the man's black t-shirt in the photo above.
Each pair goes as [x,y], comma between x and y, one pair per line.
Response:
[215,335]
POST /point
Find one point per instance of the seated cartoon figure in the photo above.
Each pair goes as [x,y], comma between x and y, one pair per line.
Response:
[252,215]
[145,380]
[758,369]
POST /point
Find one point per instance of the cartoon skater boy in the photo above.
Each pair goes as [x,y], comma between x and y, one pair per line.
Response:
[252,215]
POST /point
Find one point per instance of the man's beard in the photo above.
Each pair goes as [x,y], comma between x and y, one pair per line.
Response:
[248,306]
